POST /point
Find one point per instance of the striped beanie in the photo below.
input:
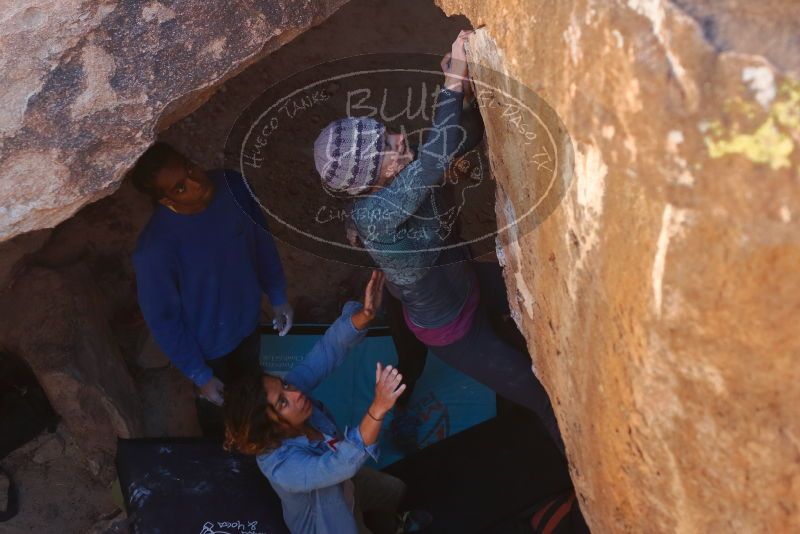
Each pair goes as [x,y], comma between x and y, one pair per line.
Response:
[347,154]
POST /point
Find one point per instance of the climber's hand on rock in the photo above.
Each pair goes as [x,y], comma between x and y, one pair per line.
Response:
[454,63]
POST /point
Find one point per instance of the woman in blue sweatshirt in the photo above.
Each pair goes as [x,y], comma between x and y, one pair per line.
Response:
[202,263]
[396,209]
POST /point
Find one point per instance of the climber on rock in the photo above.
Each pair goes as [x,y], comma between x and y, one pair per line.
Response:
[202,263]
[427,270]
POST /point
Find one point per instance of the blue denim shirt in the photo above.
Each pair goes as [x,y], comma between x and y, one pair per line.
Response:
[310,476]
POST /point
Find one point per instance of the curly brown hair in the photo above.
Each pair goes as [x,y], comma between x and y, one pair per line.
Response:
[248,427]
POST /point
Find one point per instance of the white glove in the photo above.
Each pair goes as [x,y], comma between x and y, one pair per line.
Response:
[213,391]
[284,318]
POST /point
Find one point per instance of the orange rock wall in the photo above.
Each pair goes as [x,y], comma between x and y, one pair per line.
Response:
[661,298]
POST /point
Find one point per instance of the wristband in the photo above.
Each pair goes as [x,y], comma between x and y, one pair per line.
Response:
[373,417]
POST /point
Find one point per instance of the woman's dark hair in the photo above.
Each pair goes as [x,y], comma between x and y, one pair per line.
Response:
[147,166]
[248,428]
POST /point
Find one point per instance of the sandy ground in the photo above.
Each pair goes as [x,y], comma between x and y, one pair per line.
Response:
[59,493]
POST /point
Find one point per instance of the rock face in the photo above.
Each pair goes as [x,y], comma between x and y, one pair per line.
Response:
[60,328]
[87,84]
[660,298]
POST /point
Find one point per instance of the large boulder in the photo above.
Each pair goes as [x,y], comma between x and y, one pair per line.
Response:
[660,298]
[86,85]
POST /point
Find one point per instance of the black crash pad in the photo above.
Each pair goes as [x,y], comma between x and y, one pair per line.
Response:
[470,482]
[192,486]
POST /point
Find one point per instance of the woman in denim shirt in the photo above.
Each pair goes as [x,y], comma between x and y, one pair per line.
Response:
[314,468]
